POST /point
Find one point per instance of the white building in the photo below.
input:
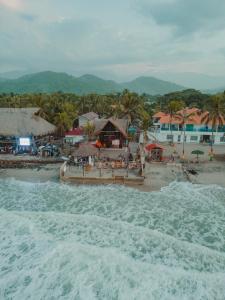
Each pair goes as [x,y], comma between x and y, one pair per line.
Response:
[193,131]
[88,117]
[74,136]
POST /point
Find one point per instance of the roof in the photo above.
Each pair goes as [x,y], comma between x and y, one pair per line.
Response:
[150,147]
[196,117]
[159,114]
[86,149]
[120,124]
[90,116]
[22,122]
[74,132]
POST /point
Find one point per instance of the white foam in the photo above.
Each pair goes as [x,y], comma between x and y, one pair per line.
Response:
[60,241]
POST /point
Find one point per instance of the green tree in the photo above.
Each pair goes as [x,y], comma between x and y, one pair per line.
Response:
[172,108]
[62,122]
[215,115]
[89,130]
[130,106]
[145,122]
[184,117]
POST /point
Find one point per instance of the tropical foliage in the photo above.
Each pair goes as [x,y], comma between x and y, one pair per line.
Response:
[62,109]
[172,108]
[215,115]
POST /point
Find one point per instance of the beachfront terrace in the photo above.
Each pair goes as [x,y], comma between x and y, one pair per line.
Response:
[102,174]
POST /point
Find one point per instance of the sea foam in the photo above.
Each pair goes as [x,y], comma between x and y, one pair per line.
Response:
[78,242]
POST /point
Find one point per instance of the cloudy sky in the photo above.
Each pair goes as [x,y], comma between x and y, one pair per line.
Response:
[118,39]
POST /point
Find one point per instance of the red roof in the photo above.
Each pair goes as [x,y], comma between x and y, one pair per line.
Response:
[159,114]
[75,131]
[149,147]
[195,117]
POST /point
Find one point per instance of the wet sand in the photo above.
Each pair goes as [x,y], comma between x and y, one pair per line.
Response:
[157,175]
[37,174]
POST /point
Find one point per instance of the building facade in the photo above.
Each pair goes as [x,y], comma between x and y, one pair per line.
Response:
[112,132]
[192,130]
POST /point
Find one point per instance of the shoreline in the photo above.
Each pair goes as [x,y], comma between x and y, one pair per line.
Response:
[157,175]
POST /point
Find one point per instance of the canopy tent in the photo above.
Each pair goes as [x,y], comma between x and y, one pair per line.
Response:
[150,147]
[155,152]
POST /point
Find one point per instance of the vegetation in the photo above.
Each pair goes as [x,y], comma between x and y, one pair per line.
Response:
[215,115]
[172,108]
[62,109]
[184,116]
[190,98]
[89,130]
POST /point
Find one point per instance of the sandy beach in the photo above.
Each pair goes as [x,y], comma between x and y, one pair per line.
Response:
[157,175]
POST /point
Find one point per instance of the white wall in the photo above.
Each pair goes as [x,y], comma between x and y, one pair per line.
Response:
[82,121]
[161,136]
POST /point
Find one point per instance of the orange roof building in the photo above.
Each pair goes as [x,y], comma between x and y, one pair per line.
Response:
[187,124]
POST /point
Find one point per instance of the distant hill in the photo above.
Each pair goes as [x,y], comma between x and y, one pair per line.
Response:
[193,80]
[14,74]
[215,91]
[152,86]
[49,82]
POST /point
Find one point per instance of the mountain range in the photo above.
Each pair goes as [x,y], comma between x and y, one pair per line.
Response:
[49,82]
[193,80]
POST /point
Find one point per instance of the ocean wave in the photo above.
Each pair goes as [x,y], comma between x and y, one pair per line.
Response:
[112,242]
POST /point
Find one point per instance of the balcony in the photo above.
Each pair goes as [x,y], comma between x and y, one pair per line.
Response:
[193,129]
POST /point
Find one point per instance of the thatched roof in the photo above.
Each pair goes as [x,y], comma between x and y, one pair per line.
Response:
[120,124]
[85,150]
[22,122]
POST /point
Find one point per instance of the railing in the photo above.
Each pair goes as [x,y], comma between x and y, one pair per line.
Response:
[195,130]
[168,129]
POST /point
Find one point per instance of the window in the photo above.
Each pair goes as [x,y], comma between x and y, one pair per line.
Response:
[194,138]
[169,137]
[189,127]
[165,127]
[222,139]
[179,138]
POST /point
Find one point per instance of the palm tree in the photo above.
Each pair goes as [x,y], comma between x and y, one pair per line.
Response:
[184,116]
[215,115]
[130,106]
[62,122]
[89,129]
[172,108]
[145,121]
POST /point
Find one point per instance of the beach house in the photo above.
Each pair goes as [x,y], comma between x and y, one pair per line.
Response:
[112,132]
[187,125]
[19,128]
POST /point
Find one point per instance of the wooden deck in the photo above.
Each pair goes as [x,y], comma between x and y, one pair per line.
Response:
[97,180]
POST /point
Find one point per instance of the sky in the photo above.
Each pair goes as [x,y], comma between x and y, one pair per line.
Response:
[118,39]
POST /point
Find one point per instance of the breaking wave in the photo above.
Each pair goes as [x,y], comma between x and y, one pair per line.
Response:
[78,242]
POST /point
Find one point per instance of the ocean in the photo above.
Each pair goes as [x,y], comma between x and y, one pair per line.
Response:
[60,241]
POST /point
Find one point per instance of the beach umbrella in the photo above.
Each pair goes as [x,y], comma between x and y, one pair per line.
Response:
[197,153]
